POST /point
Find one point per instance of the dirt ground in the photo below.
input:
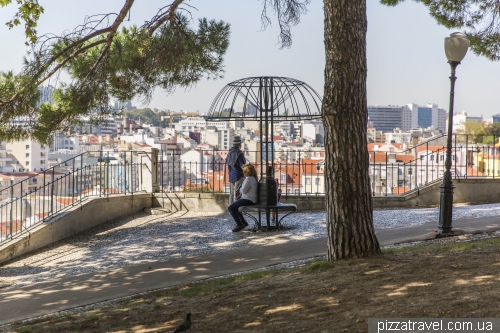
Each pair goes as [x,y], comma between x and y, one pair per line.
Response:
[460,280]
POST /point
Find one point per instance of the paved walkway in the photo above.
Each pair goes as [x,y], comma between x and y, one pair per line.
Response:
[67,293]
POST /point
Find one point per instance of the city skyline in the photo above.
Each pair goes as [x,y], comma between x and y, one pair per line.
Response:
[406,61]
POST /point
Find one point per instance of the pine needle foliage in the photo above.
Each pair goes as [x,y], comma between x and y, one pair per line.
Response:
[106,61]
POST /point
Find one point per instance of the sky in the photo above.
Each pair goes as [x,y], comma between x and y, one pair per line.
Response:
[405,51]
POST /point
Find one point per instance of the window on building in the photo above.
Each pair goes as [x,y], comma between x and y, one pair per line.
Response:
[296,191]
[283,178]
[318,181]
[308,181]
[441,157]
[432,157]
[27,146]
[27,163]
[27,154]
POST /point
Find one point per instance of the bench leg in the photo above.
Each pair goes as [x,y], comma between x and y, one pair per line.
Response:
[278,222]
[256,225]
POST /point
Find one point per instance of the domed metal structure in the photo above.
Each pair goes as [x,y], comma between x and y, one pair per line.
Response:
[279,98]
[265,99]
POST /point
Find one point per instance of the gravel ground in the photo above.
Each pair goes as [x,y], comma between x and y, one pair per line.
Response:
[143,238]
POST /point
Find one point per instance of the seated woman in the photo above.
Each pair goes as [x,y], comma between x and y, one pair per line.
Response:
[248,191]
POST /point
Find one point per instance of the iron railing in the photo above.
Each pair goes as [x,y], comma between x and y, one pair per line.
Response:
[393,169]
[205,172]
[398,172]
[40,196]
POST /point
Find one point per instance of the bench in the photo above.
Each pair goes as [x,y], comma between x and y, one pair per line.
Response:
[261,208]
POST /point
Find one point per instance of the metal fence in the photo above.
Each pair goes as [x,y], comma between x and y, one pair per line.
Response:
[38,197]
[209,175]
[393,169]
[400,172]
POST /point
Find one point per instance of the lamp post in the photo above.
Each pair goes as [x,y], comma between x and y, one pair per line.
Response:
[455,48]
[410,172]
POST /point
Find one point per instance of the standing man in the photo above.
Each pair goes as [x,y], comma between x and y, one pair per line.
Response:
[235,160]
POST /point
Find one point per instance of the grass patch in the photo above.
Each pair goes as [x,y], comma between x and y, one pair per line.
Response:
[158,306]
[438,248]
[319,265]
[26,329]
[69,316]
[92,317]
[218,285]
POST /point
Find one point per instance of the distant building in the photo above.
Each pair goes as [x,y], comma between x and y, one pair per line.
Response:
[86,126]
[197,123]
[46,94]
[62,141]
[385,118]
[128,125]
[125,105]
[28,155]
[417,116]
[461,117]
[195,136]
[314,130]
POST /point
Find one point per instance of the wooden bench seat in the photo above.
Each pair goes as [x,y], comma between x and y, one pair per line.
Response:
[263,208]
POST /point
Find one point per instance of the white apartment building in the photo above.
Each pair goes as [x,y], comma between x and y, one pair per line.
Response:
[5,160]
[291,129]
[195,124]
[220,139]
[314,130]
[62,141]
[28,155]
[409,137]
[292,152]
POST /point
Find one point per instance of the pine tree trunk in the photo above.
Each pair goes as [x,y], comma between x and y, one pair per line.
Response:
[349,208]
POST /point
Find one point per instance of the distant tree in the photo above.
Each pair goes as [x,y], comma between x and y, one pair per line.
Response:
[147,116]
[493,129]
[488,139]
[473,131]
[105,61]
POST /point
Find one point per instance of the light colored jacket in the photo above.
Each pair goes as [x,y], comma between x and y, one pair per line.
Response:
[248,189]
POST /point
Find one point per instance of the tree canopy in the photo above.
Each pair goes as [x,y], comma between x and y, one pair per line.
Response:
[479,18]
[148,116]
[105,61]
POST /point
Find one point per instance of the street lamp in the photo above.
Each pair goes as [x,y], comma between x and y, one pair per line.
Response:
[455,48]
